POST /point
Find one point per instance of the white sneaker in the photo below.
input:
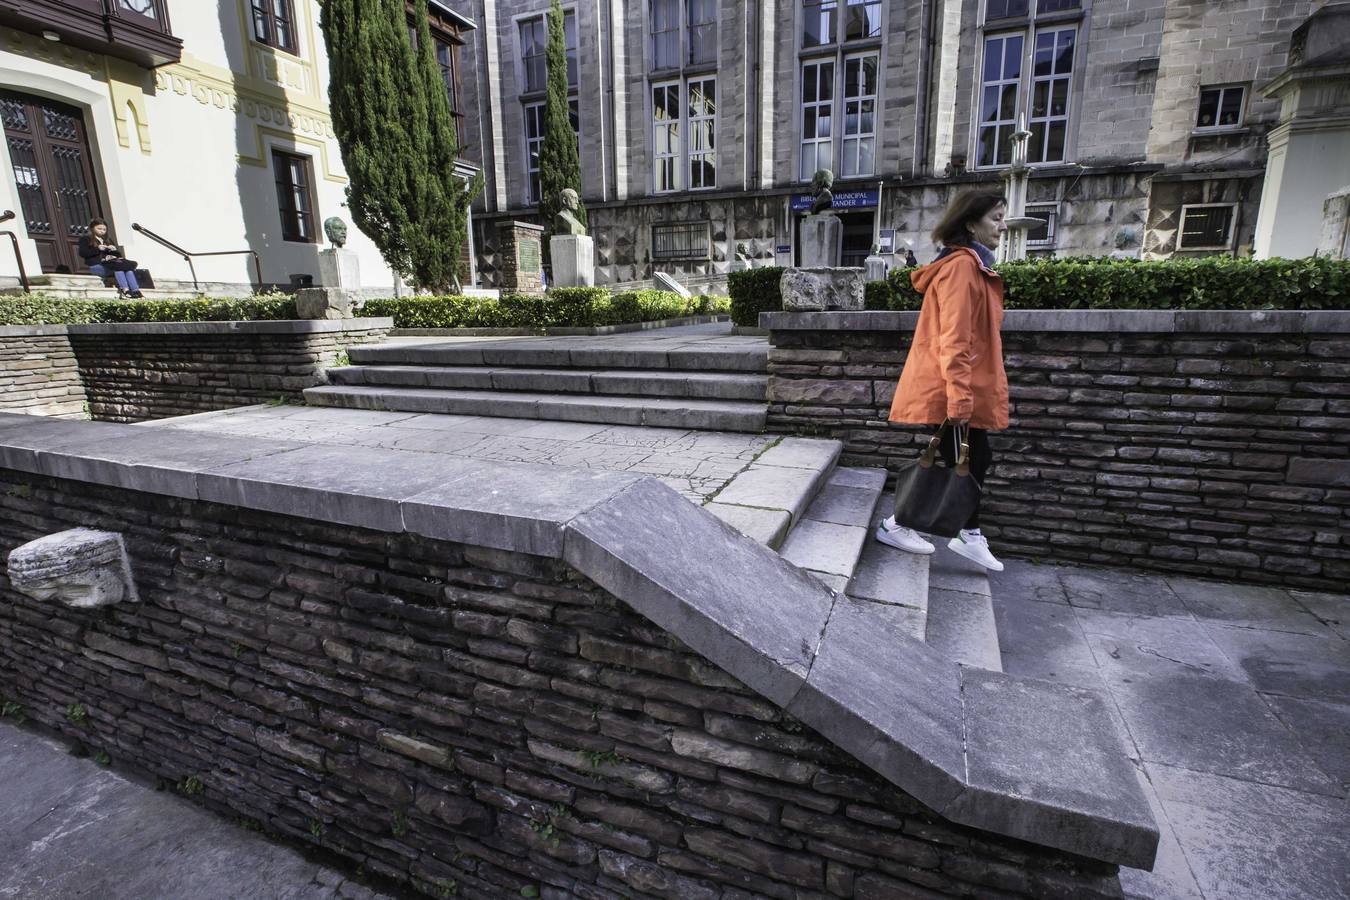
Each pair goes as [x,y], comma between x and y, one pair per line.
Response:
[902,538]
[975,547]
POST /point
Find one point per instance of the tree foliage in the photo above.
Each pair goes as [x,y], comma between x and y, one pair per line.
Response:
[393,121]
[559,164]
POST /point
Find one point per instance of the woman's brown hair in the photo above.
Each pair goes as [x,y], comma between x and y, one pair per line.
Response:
[968,207]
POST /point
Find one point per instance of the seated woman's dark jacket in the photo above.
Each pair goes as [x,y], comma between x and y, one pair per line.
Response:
[90,253]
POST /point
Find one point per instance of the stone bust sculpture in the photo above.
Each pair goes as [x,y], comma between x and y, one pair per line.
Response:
[336,229]
[823,199]
[742,252]
[565,222]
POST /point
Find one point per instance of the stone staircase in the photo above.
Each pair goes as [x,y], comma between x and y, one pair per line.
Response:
[91,287]
[638,384]
[822,521]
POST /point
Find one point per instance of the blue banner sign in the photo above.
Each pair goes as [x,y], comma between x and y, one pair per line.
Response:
[842,200]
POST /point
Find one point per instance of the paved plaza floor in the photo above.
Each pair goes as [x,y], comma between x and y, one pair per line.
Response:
[1234,702]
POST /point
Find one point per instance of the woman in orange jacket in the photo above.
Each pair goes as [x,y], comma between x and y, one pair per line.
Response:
[954,370]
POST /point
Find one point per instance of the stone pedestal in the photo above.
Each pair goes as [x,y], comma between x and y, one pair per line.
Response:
[573,258]
[325,303]
[876,267]
[520,269]
[822,288]
[339,268]
[822,238]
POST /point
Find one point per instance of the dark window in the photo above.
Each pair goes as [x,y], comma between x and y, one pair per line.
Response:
[274,23]
[295,196]
[143,7]
[1220,107]
[445,56]
[685,240]
[862,19]
[702,31]
[533,42]
[1049,6]
[1042,235]
[1206,227]
[818,22]
[1005,9]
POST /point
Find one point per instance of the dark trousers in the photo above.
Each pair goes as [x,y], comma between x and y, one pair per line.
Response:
[981,458]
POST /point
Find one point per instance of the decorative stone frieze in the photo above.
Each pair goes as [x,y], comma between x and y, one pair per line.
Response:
[80,568]
[812,290]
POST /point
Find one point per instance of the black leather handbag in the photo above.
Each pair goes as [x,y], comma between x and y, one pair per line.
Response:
[934,498]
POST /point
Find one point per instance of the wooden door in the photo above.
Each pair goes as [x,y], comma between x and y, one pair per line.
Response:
[49,150]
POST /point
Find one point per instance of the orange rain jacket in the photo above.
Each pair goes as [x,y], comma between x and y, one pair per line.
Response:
[955,365]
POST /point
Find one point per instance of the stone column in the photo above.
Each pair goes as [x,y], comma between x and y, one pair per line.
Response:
[522,262]
[1310,149]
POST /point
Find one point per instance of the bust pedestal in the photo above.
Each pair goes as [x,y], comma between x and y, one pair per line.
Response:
[822,239]
[339,268]
[573,260]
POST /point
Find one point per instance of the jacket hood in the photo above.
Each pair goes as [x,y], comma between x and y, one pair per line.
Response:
[923,276]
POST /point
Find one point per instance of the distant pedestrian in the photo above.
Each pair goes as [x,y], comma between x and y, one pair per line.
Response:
[954,371]
[104,258]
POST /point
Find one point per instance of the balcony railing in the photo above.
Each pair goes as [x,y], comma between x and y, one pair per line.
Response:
[135,30]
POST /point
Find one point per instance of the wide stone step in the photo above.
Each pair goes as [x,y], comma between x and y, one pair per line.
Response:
[834,529]
[892,578]
[561,353]
[660,412]
[960,619]
[650,383]
[773,493]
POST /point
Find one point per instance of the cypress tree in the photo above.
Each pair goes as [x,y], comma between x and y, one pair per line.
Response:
[559,165]
[397,138]
[437,266]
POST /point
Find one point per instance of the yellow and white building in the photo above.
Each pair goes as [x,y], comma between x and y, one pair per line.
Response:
[203,121]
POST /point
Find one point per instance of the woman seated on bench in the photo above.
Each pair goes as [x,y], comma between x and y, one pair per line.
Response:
[104,259]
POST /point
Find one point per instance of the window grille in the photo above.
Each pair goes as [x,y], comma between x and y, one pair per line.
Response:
[684,240]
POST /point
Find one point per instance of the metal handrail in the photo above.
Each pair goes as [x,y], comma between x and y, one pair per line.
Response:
[18,257]
[188,255]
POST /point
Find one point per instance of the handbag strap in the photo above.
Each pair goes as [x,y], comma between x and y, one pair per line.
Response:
[960,436]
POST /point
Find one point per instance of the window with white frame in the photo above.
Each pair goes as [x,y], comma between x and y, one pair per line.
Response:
[702,132]
[1051,79]
[666,137]
[684,135]
[1042,235]
[534,46]
[1048,56]
[817,150]
[1220,107]
[1207,226]
[1002,76]
[858,155]
[534,141]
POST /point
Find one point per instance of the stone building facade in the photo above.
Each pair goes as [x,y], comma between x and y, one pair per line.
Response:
[700,122]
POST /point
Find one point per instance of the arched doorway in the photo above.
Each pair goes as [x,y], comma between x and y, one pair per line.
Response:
[54,173]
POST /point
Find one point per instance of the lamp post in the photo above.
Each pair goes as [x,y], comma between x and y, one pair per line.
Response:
[1014,244]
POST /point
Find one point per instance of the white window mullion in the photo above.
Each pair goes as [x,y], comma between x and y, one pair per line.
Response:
[667,142]
[701,132]
[1000,86]
[858,155]
[817,117]
[1051,88]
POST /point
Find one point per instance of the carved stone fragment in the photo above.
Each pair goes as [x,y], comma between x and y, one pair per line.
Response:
[80,568]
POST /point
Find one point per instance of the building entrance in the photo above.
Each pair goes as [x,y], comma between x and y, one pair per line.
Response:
[49,150]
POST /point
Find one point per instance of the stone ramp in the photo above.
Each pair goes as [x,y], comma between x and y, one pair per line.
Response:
[1033,760]
[692,377]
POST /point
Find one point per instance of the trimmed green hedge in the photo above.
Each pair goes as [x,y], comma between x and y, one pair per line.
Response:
[754,291]
[559,308]
[1212,282]
[40,309]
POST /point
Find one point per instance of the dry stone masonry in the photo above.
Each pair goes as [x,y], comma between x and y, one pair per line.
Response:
[135,372]
[38,372]
[1213,443]
[475,715]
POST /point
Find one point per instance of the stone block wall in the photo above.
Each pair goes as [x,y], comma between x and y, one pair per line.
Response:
[1217,445]
[38,372]
[132,373]
[469,721]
